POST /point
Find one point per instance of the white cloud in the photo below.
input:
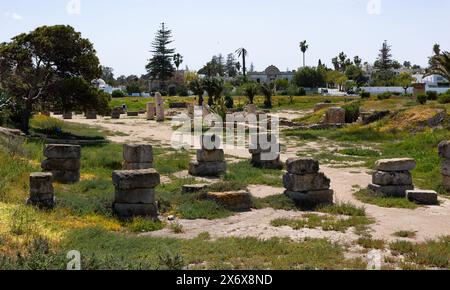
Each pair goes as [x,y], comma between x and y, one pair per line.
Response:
[13,15]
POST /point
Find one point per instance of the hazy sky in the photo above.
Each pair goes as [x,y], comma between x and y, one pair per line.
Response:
[122,30]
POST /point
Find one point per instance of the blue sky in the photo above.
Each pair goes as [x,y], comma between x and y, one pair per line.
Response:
[122,30]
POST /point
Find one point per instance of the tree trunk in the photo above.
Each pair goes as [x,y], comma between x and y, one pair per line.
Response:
[243,65]
[26,116]
[304,62]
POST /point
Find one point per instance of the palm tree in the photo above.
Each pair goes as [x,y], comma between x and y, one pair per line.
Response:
[267,91]
[242,52]
[304,47]
[439,64]
[196,86]
[251,90]
[177,60]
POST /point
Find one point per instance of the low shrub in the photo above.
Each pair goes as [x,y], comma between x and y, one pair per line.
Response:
[352,112]
[422,99]
[364,95]
[118,94]
[384,96]
[444,99]
[432,95]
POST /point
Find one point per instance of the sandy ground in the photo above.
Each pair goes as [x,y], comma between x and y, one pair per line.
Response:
[429,222]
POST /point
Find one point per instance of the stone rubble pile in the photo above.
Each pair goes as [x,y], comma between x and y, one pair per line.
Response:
[392,177]
[137,157]
[135,193]
[305,184]
[63,161]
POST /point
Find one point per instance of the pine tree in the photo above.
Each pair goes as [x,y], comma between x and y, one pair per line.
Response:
[384,61]
[160,66]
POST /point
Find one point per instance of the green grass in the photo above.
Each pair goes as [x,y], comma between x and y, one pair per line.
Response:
[346,209]
[280,202]
[369,197]
[324,222]
[142,225]
[428,254]
[369,243]
[120,251]
[359,152]
[244,173]
[405,234]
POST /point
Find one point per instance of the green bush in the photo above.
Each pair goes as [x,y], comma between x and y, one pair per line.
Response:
[118,94]
[422,99]
[365,95]
[229,102]
[182,91]
[172,90]
[352,112]
[444,99]
[432,95]
[384,96]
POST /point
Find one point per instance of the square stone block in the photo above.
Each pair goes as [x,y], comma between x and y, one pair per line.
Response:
[138,153]
[135,196]
[207,168]
[58,151]
[216,155]
[66,177]
[136,166]
[398,164]
[134,179]
[391,190]
[233,200]
[425,197]
[444,149]
[311,199]
[392,178]
[128,211]
[302,166]
[307,182]
[61,164]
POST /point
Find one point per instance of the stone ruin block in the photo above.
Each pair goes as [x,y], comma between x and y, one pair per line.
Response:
[133,114]
[159,107]
[135,193]
[425,197]
[305,184]
[151,111]
[395,165]
[335,116]
[444,153]
[444,149]
[67,116]
[91,115]
[267,158]
[234,200]
[63,161]
[41,190]
[116,112]
[391,190]
[137,156]
[206,169]
[193,188]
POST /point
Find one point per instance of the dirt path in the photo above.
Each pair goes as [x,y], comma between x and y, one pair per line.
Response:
[429,222]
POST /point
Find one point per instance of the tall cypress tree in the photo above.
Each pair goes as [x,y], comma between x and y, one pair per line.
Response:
[160,66]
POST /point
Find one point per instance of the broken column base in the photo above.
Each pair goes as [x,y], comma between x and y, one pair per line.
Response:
[233,200]
[129,211]
[207,168]
[391,190]
[311,199]
[266,164]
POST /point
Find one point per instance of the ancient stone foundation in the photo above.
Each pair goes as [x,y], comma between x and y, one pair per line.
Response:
[137,156]
[135,193]
[444,153]
[63,161]
[265,153]
[305,185]
[392,177]
[233,200]
[41,190]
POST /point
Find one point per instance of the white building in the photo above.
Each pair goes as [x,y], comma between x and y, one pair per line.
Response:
[103,86]
[272,73]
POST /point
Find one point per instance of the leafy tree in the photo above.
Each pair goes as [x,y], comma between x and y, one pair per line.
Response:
[385,76]
[214,87]
[230,66]
[357,61]
[214,68]
[118,94]
[356,74]
[242,52]
[405,80]
[250,90]
[133,89]
[160,65]
[303,48]
[108,75]
[35,66]
[177,60]
[309,77]
[267,90]
[196,86]
[407,64]
[439,63]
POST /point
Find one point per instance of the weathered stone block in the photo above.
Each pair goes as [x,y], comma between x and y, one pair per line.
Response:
[134,179]
[66,177]
[151,111]
[446,182]
[207,168]
[159,107]
[56,151]
[444,149]
[127,211]
[392,178]
[132,114]
[445,167]
[138,153]
[398,164]
[335,115]
[67,116]
[234,200]
[426,197]
[311,199]
[302,166]
[135,196]
[48,203]
[41,183]
[307,182]
[391,190]
[91,115]
[216,155]
[115,113]
[193,188]
[136,166]
[61,164]
[257,161]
